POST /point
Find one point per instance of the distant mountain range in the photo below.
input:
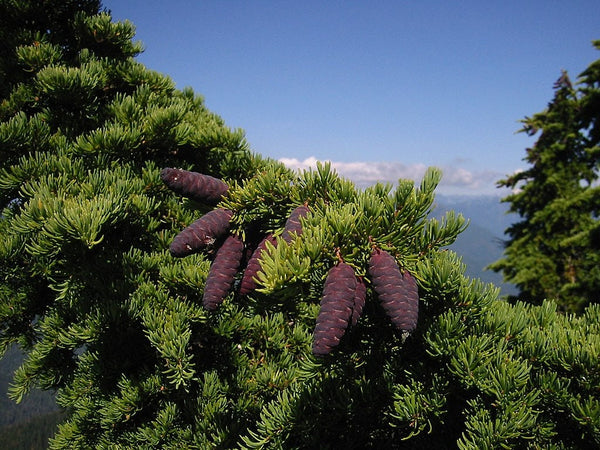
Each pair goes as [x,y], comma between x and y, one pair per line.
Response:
[482,242]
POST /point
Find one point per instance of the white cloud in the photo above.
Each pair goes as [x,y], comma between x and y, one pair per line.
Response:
[455,180]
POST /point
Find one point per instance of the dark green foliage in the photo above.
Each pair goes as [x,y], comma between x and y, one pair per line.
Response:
[335,312]
[553,251]
[396,290]
[87,286]
[199,187]
[48,26]
[201,233]
[222,272]
[115,325]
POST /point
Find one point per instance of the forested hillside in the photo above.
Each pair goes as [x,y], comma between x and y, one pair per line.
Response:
[27,425]
[36,404]
[32,434]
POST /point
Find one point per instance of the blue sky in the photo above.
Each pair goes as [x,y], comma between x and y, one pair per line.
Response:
[381,88]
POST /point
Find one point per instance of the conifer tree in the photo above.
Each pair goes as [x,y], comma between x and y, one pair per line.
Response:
[553,252]
[94,288]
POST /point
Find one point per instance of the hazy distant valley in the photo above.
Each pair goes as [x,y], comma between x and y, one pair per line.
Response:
[481,243]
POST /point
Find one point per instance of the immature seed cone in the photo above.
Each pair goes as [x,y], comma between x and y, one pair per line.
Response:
[203,232]
[337,303]
[293,225]
[197,186]
[397,291]
[360,296]
[248,284]
[221,274]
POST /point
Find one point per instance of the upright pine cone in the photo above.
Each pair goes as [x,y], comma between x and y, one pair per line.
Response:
[248,284]
[337,303]
[221,274]
[360,296]
[293,225]
[197,186]
[203,232]
[397,291]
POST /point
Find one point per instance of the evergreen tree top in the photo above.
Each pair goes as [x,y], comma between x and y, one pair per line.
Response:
[552,251]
